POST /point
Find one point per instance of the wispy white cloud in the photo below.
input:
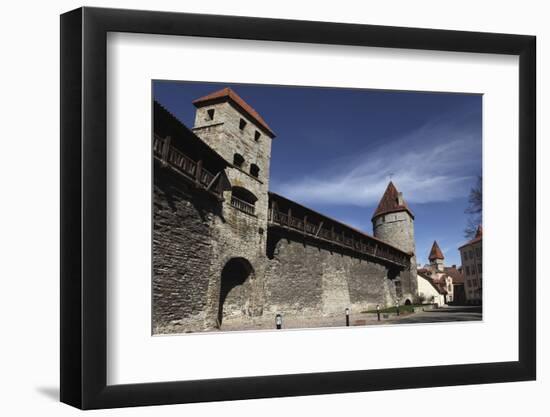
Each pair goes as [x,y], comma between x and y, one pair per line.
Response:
[435,163]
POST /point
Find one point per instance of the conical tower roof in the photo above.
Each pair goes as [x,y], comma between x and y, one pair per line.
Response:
[392,201]
[435,253]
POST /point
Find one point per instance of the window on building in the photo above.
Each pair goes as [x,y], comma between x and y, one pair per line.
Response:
[479,268]
[478,252]
[465,253]
[243,200]
[467,270]
[471,254]
[238,160]
[242,124]
[257,136]
[254,170]
[211,114]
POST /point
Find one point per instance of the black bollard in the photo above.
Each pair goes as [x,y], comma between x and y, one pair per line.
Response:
[378,311]
[278,321]
[347,317]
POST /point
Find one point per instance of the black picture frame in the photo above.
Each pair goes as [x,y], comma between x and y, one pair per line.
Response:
[84,207]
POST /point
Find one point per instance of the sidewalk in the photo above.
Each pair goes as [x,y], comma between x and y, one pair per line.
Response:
[439,315]
[305,322]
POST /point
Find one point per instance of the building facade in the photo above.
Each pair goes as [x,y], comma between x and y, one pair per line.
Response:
[472,267]
[430,292]
[226,248]
[445,279]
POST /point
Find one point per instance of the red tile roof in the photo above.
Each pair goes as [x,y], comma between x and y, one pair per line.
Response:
[439,287]
[438,278]
[390,203]
[477,238]
[455,274]
[435,253]
[228,94]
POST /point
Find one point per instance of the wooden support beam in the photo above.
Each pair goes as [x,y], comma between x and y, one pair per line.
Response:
[198,172]
[165,150]
[305,221]
[213,181]
[319,229]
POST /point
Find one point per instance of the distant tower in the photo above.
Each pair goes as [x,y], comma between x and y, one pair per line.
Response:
[436,258]
[393,222]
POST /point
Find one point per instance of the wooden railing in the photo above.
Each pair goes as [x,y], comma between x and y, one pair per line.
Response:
[242,205]
[193,170]
[351,239]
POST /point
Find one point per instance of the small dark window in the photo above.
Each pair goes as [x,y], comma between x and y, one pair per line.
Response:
[211,114]
[257,136]
[238,160]
[242,124]
[254,170]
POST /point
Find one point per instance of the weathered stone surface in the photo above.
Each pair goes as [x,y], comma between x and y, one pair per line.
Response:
[398,229]
[182,248]
[307,279]
[213,261]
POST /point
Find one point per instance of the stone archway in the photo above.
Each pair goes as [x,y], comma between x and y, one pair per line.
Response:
[235,289]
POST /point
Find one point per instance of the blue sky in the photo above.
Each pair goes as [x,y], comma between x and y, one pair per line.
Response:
[336,150]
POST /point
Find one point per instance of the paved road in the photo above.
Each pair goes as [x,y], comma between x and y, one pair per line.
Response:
[445,314]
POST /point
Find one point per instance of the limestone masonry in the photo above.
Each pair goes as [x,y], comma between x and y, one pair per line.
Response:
[224,247]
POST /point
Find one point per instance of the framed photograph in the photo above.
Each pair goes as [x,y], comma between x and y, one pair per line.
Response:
[257,208]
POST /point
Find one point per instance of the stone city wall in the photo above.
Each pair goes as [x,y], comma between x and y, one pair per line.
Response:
[182,250]
[306,278]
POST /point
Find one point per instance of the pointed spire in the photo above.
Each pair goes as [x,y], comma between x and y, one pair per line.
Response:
[477,238]
[435,253]
[392,201]
[227,94]
[479,232]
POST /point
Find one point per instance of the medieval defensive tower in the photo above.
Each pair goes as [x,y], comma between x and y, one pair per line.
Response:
[232,128]
[393,222]
[238,133]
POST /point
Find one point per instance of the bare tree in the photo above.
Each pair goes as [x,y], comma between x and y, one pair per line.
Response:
[474,209]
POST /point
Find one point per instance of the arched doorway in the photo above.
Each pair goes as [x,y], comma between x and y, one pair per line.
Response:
[235,288]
